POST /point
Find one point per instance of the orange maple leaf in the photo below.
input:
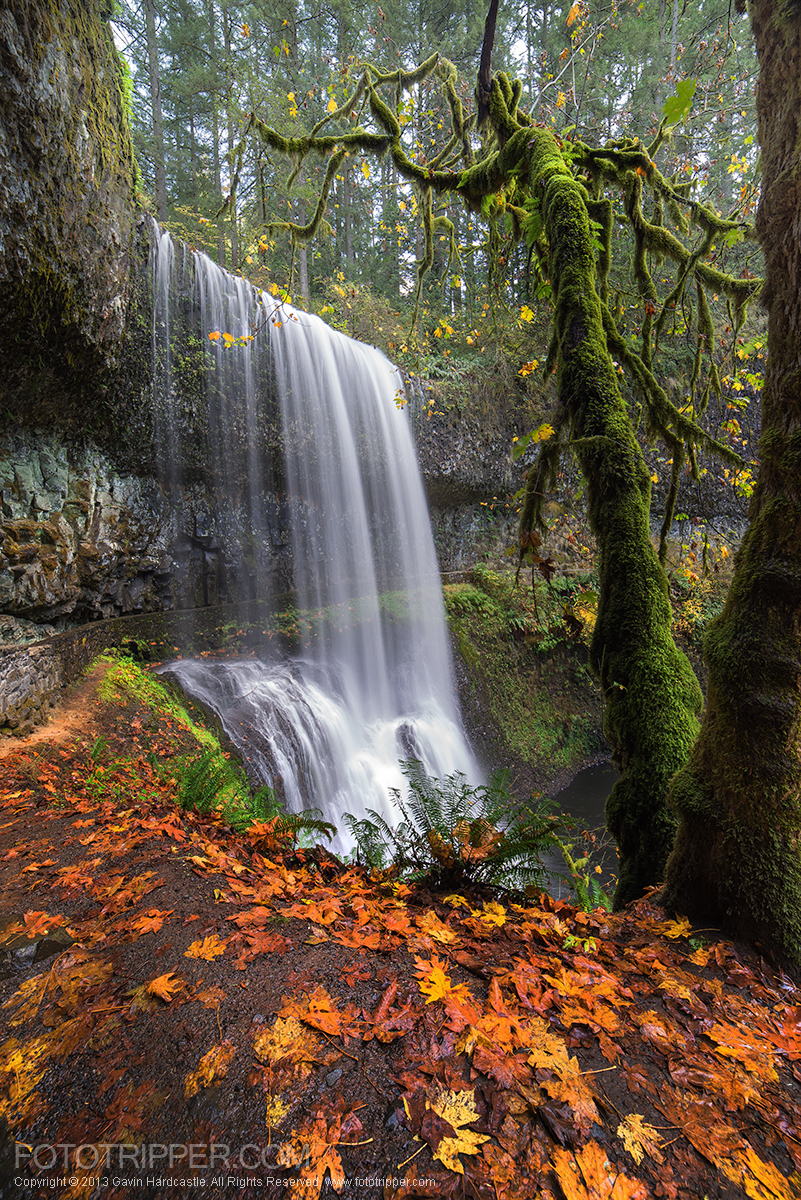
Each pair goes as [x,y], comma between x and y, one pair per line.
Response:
[589,1175]
[320,1012]
[213,1065]
[207,948]
[259,915]
[362,936]
[166,987]
[39,923]
[314,1155]
[397,922]
[151,921]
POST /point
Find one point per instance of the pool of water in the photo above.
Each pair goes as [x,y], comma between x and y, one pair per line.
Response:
[582,802]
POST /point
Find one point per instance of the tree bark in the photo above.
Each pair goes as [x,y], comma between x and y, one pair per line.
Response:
[737,858]
[651,696]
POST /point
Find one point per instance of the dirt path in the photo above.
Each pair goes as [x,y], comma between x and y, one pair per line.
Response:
[72,716]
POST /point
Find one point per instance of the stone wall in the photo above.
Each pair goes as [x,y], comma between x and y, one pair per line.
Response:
[83,540]
[32,677]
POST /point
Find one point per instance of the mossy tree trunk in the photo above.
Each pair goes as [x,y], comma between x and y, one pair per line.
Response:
[737,858]
[651,696]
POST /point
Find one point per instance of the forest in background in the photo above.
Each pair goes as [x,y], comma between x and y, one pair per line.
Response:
[595,72]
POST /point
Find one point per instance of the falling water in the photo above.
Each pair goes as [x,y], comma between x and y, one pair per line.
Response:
[375,684]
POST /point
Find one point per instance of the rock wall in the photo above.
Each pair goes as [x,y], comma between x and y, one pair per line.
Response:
[68,223]
[82,540]
[32,676]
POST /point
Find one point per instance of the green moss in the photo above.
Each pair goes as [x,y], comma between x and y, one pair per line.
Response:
[737,858]
[525,665]
[82,182]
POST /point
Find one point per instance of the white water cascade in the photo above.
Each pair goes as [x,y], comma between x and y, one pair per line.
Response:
[374,685]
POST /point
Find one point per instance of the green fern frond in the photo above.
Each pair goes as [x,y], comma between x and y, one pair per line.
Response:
[454,833]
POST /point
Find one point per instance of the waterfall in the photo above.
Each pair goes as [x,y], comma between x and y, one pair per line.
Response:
[374,685]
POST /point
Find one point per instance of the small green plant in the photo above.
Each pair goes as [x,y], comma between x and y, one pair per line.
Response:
[453,833]
[588,945]
[99,748]
[582,871]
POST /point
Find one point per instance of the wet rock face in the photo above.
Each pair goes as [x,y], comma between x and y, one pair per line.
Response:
[82,540]
[67,218]
[28,685]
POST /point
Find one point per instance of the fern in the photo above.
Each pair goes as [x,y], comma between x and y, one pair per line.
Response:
[211,782]
[452,833]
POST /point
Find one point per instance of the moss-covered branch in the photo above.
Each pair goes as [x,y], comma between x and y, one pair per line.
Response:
[652,699]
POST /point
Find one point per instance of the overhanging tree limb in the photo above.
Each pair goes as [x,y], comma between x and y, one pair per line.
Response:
[652,699]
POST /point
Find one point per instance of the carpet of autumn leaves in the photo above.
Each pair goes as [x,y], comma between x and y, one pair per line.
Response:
[290,1026]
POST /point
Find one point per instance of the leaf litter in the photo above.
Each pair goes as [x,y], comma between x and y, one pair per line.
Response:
[222,991]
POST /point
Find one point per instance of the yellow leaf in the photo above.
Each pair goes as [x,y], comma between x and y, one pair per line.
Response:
[286,1039]
[526,314]
[277,1110]
[365,170]
[575,11]
[435,984]
[640,1139]
[434,928]
[493,914]
[213,1065]
[762,1181]
[674,929]
[332,105]
[458,1109]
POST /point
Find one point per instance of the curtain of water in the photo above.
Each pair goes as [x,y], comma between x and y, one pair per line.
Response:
[374,685]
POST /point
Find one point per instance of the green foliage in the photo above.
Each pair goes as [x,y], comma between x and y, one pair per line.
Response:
[454,834]
[583,872]
[127,677]
[212,783]
[677,107]
[526,660]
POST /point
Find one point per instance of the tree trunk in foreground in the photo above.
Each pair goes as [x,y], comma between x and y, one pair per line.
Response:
[737,858]
[651,696]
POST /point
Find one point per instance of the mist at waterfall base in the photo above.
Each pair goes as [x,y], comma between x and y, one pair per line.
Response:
[373,685]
